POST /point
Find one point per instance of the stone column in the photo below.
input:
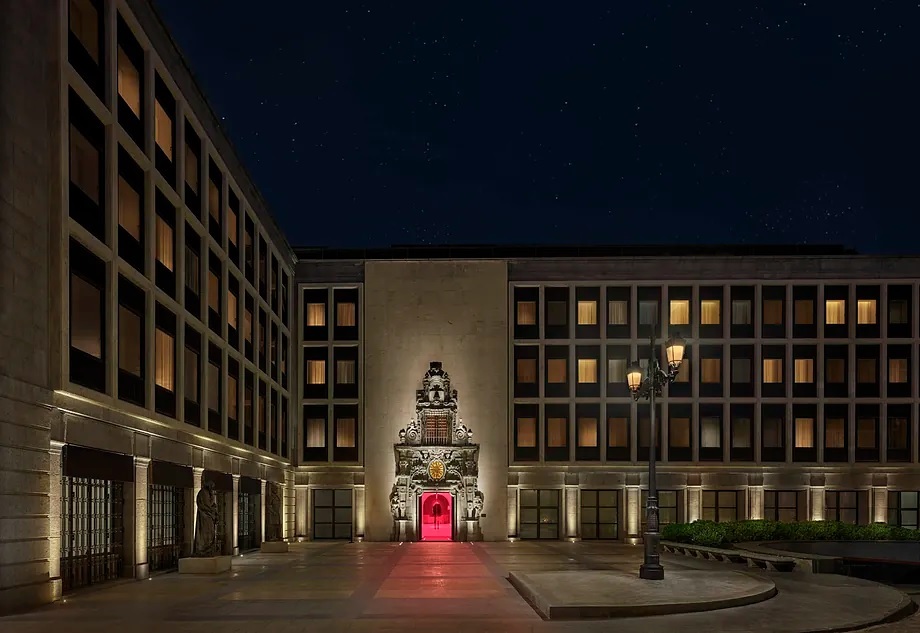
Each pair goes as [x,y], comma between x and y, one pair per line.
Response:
[54,518]
[191,509]
[235,523]
[262,511]
[141,470]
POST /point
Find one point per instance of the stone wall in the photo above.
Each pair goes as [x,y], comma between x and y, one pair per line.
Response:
[423,311]
[29,192]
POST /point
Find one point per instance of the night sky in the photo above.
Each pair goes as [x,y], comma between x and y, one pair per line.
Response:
[570,122]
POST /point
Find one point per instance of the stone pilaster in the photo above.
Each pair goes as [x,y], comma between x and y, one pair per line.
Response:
[54,518]
[191,510]
[262,491]
[235,523]
[359,511]
[300,511]
[141,471]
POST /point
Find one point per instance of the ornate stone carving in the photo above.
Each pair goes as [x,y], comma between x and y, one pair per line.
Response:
[436,451]
[206,543]
[273,531]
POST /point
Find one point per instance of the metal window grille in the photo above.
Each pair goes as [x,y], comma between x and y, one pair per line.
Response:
[92,531]
[248,535]
[436,428]
[165,526]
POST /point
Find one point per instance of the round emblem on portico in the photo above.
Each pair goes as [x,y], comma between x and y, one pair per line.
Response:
[436,469]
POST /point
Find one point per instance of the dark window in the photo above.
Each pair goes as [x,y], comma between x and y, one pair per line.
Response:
[315,433]
[720,505]
[526,371]
[773,312]
[680,433]
[556,432]
[215,395]
[618,435]
[192,271]
[587,432]
[130,79]
[131,339]
[899,435]
[86,163]
[87,318]
[540,514]
[773,433]
[345,439]
[192,387]
[165,245]
[164,362]
[787,506]
[346,314]
[556,371]
[848,506]
[86,42]
[742,433]
[556,312]
[904,509]
[526,433]
[215,201]
[599,514]
[233,399]
[249,410]
[130,196]
[164,119]
[711,432]
[192,170]
[214,293]
[836,433]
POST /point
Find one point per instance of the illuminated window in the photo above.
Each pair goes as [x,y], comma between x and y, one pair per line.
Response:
[526,432]
[710,432]
[526,370]
[165,244]
[556,313]
[345,314]
[897,370]
[836,371]
[679,432]
[316,372]
[741,312]
[617,312]
[616,370]
[84,23]
[835,433]
[129,341]
[804,433]
[191,374]
[232,227]
[232,309]
[316,433]
[772,370]
[617,432]
[587,370]
[648,312]
[587,313]
[741,370]
[865,370]
[804,370]
[555,370]
[165,360]
[213,291]
[773,312]
[129,209]
[526,312]
[804,312]
[129,83]
[897,312]
[345,372]
[556,433]
[191,168]
[587,432]
[316,314]
[680,312]
[247,324]
[866,312]
[835,312]
[710,370]
[214,200]
[345,436]
[866,433]
[84,164]
[710,312]
[163,130]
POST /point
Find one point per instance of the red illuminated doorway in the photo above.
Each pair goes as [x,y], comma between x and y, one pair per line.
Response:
[437,516]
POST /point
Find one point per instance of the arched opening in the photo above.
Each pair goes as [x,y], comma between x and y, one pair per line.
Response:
[437,516]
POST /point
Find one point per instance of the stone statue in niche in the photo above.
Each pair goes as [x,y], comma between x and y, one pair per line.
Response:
[394,502]
[476,504]
[206,543]
[273,513]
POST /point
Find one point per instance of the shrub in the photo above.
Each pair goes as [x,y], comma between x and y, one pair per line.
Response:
[712,534]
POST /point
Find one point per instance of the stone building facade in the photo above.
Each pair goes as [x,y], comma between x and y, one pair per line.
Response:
[158,332]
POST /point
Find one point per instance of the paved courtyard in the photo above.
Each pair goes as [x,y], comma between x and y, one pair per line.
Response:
[358,587]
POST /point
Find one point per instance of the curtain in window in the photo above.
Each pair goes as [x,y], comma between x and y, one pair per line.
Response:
[191,374]
[84,164]
[866,312]
[587,370]
[741,433]
[345,314]
[710,312]
[587,313]
[772,370]
[587,432]
[345,433]
[129,209]
[835,312]
[804,370]
[165,246]
[555,370]
[165,360]
[680,312]
[316,433]
[741,312]
[129,341]
[835,430]
[617,312]
[617,432]
[213,387]
[526,432]
[710,433]
[526,313]
[897,370]
[316,372]
[679,432]
[711,370]
[616,370]
[527,370]
[804,312]
[804,433]
[316,314]
[345,372]
[232,407]
[556,433]
[86,317]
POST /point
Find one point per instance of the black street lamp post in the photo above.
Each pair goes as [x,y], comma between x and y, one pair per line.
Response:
[649,386]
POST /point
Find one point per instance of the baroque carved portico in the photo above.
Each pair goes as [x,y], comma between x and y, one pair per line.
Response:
[436,452]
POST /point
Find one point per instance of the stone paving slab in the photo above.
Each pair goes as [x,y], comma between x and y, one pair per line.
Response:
[611,594]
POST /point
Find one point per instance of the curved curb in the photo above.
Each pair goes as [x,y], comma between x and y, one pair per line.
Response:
[545,606]
[904,609]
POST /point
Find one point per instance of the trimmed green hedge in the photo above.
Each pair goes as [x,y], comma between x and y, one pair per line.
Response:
[712,534]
